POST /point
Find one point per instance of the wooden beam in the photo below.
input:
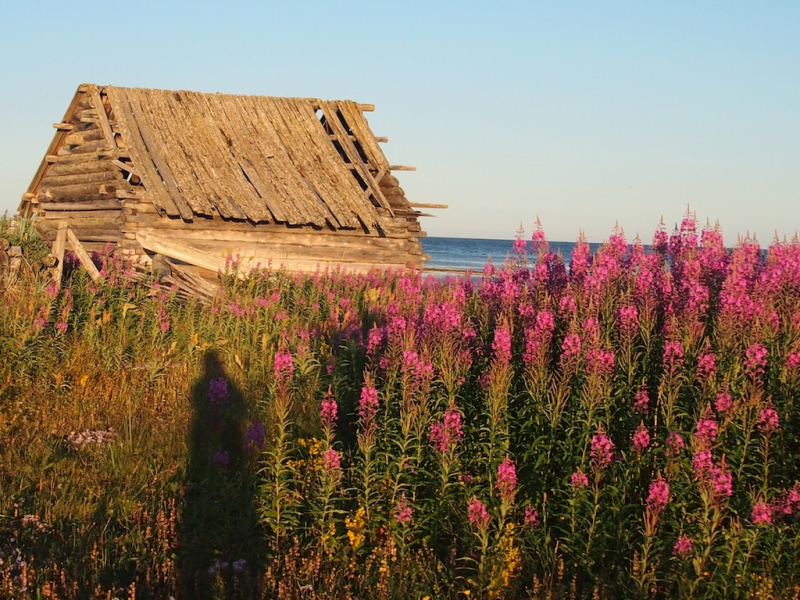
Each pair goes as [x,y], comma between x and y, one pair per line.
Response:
[96,205]
[426,205]
[102,118]
[58,251]
[84,257]
[381,139]
[401,168]
[126,167]
[63,126]
[366,107]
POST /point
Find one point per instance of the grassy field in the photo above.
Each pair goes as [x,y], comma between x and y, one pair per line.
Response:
[625,426]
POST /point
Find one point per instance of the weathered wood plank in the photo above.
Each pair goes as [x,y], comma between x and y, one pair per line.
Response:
[82,206]
[81,137]
[155,155]
[83,256]
[58,251]
[71,179]
[72,150]
[72,216]
[138,150]
[102,118]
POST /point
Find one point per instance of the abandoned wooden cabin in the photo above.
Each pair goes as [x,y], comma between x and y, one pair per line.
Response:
[198,177]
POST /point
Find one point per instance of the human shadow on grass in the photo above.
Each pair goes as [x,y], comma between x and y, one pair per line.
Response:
[220,548]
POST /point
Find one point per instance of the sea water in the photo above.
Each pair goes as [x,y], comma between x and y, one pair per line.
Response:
[470,254]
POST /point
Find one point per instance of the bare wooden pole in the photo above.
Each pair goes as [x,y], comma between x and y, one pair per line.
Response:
[84,257]
[58,250]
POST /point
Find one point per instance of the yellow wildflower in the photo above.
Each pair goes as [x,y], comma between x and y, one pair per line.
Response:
[355,527]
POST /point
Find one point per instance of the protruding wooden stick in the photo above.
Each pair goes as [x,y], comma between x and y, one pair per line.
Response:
[382,139]
[401,168]
[427,205]
[366,107]
[63,126]
[84,257]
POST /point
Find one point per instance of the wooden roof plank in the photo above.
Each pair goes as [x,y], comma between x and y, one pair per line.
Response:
[338,186]
[205,112]
[331,110]
[331,197]
[253,158]
[359,202]
[138,152]
[102,117]
[230,143]
[358,124]
[200,156]
[169,127]
[296,143]
[279,163]
[143,115]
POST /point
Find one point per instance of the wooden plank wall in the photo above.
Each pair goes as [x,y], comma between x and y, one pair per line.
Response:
[81,181]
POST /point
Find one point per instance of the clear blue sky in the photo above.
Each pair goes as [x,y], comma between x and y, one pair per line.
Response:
[581,112]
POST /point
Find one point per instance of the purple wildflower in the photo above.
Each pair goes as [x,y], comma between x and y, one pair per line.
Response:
[217,391]
[255,436]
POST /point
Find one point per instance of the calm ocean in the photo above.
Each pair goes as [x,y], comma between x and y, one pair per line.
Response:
[464,254]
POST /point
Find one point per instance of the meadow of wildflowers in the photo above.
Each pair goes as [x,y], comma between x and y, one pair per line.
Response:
[623,426]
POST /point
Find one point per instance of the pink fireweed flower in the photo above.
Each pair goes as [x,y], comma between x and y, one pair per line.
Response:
[403,511]
[567,305]
[284,367]
[707,366]
[591,329]
[502,344]
[602,451]
[476,511]
[658,494]
[374,340]
[755,360]
[673,354]
[768,419]
[641,439]
[641,403]
[571,346]
[545,321]
[520,246]
[793,361]
[702,464]
[506,478]
[368,404]
[723,403]
[675,443]
[538,238]
[628,319]
[707,430]
[722,481]
[791,502]
[328,410]
[445,434]
[600,361]
[331,461]
[683,546]
[531,517]
[762,513]
[578,479]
